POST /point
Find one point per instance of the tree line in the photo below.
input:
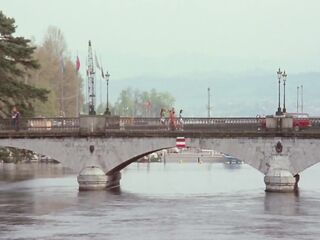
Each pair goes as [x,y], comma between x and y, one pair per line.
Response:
[137,103]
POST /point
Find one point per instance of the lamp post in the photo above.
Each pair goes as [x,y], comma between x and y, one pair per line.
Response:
[107,112]
[301,88]
[298,99]
[279,73]
[284,77]
[209,103]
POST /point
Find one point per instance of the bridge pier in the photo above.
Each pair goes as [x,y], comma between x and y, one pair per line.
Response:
[113,180]
[279,180]
[278,177]
[92,178]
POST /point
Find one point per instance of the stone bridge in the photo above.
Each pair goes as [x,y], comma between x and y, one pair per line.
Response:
[112,154]
[279,155]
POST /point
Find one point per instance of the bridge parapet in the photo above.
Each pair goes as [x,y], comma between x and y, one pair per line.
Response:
[108,125]
[40,124]
[92,124]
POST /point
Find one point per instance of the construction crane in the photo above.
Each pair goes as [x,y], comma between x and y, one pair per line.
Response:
[91,82]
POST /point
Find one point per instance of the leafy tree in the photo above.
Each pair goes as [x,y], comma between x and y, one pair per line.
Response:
[16,58]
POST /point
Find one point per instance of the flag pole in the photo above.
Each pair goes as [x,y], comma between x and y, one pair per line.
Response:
[100,83]
[77,100]
[77,85]
[61,93]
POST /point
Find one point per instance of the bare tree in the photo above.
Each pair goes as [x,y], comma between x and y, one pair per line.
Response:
[58,74]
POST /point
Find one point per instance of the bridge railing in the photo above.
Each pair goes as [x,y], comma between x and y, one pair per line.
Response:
[134,123]
[52,124]
[222,123]
[131,123]
[315,122]
[6,124]
[189,123]
[40,124]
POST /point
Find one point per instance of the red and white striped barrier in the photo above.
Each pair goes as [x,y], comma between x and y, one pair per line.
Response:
[180,142]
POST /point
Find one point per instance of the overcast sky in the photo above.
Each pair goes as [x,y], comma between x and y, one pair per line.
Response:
[167,38]
[250,34]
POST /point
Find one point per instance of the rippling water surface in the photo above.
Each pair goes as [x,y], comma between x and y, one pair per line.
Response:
[156,201]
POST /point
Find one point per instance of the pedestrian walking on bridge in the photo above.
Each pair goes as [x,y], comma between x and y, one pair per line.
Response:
[162,116]
[15,116]
[180,120]
[172,120]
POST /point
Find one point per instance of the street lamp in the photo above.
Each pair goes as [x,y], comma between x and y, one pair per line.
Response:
[279,73]
[107,112]
[301,88]
[298,88]
[284,76]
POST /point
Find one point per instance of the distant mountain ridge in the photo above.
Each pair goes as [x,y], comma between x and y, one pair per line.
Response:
[245,94]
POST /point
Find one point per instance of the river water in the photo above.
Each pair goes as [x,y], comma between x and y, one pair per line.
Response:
[156,201]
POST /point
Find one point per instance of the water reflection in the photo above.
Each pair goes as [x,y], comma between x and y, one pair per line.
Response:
[16,207]
[232,165]
[99,196]
[11,172]
[282,203]
[171,201]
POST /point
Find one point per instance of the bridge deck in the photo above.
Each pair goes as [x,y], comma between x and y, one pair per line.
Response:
[160,133]
[150,127]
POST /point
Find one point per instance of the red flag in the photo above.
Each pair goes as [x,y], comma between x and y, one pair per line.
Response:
[77,64]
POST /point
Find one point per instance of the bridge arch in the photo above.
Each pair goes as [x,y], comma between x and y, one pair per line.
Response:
[112,153]
[132,160]
[75,153]
[259,152]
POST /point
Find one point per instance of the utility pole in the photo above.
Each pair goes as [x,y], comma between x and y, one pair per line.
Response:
[298,99]
[62,113]
[91,82]
[78,86]
[209,107]
[77,99]
[301,98]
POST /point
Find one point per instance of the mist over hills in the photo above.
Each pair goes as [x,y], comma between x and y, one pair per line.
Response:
[246,94]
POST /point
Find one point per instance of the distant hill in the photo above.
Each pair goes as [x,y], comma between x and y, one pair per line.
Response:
[246,94]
